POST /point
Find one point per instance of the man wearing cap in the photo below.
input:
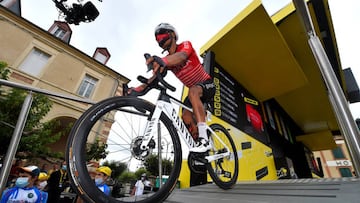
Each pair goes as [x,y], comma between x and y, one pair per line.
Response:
[102,174]
[24,189]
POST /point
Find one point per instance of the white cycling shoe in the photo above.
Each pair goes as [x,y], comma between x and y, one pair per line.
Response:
[203,145]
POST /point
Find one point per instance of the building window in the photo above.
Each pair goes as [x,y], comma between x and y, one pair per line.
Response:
[35,62]
[345,172]
[100,57]
[338,153]
[58,32]
[87,86]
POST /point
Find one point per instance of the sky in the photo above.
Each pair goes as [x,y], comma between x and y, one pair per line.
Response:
[126,28]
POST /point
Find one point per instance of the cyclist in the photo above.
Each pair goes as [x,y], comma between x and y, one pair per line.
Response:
[183,61]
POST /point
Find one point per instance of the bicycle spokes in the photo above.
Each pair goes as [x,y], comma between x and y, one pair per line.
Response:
[223,163]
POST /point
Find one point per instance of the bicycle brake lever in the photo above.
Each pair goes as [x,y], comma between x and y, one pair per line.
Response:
[126,90]
[150,65]
[159,75]
[142,79]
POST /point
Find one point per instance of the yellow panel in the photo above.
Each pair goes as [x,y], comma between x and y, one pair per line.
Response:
[184,176]
[253,51]
[250,160]
[318,141]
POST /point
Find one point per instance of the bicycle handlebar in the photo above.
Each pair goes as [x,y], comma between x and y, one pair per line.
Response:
[154,83]
[160,76]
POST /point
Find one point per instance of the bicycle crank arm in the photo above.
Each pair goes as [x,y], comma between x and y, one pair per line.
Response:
[217,156]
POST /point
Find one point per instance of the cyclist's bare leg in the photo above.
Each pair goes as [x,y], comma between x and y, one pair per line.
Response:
[195,92]
[190,123]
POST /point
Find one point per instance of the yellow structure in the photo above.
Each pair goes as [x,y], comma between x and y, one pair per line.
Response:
[270,57]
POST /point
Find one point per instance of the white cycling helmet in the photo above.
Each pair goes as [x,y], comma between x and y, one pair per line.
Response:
[164,28]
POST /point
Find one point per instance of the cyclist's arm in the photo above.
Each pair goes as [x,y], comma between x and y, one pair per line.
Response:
[170,61]
[175,59]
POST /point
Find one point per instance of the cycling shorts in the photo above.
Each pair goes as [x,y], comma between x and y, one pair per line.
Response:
[208,88]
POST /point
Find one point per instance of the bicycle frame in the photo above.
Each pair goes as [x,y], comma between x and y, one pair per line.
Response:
[165,105]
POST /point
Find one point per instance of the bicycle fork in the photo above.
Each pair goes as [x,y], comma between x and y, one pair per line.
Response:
[151,124]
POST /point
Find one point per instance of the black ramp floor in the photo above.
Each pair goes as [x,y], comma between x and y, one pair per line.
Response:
[344,190]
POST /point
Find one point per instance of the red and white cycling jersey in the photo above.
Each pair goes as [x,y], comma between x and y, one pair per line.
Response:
[191,72]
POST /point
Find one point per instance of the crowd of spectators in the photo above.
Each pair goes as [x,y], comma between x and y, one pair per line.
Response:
[33,184]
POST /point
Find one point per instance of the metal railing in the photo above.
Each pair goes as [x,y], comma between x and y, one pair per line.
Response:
[18,130]
[337,98]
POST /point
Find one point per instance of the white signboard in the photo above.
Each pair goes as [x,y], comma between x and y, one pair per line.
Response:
[339,163]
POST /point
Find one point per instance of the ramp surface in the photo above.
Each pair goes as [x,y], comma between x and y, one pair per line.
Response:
[344,190]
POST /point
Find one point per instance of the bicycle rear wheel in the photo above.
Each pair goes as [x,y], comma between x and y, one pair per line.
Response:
[224,171]
[117,126]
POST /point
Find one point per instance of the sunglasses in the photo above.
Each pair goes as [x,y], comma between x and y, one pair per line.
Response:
[162,38]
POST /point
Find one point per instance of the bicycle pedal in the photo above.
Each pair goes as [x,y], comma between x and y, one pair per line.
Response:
[227,174]
[200,157]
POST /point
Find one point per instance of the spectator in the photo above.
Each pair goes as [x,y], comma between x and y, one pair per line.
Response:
[103,173]
[44,168]
[57,182]
[24,189]
[140,185]
[91,167]
[14,171]
[100,175]
[41,183]
[54,168]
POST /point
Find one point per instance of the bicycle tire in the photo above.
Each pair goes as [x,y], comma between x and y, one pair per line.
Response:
[221,169]
[82,131]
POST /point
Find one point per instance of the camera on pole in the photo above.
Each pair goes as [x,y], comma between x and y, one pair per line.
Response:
[77,12]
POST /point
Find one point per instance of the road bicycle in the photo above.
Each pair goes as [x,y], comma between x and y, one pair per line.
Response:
[138,134]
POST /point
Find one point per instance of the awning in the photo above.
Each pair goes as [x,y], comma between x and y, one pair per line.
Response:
[253,51]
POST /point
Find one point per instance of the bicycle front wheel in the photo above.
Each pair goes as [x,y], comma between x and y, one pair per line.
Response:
[111,132]
[223,171]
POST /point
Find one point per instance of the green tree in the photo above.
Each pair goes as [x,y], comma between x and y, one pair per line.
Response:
[4,72]
[117,168]
[37,134]
[96,151]
[127,176]
[152,165]
[140,171]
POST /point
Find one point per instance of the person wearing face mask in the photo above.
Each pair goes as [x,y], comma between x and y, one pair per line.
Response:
[24,189]
[57,182]
[140,185]
[102,174]
[41,183]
